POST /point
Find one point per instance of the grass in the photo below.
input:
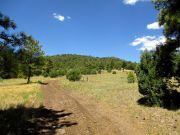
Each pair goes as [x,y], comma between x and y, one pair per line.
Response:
[122,97]
[21,109]
[15,92]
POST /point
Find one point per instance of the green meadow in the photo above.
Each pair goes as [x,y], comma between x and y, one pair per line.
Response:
[122,97]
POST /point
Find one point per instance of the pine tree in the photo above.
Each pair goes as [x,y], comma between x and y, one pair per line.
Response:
[150,84]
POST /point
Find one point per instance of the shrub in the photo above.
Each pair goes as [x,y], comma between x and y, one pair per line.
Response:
[37,72]
[45,74]
[73,75]
[130,77]
[54,73]
[114,72]
[20,75]
[99,71]
[62,72]
[93,72]
[109,70]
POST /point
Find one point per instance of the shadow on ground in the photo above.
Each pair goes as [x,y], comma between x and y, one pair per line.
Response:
[172,101]
[32,82]
[32,121]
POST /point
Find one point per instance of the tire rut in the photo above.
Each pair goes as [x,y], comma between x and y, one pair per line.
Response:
[87,123]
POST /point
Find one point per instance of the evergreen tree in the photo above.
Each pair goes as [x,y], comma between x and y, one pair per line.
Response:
[31,56]
[150,83]
[8,42]
[169,17]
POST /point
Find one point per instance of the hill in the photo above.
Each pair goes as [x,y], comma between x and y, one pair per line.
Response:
[87,64]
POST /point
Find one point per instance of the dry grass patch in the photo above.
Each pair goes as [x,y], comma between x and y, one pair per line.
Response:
[15,92]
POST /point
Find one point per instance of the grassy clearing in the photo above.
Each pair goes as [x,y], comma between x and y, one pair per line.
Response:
[114,89]
[15,92]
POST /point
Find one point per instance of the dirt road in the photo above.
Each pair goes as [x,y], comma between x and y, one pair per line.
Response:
[80,115]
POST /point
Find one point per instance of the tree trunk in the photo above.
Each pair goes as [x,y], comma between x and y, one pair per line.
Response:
[29,75]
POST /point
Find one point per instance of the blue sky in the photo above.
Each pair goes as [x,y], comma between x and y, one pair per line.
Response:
[120,28]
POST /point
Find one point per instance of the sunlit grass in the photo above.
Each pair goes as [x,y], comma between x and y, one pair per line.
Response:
[122,97]
[15,92]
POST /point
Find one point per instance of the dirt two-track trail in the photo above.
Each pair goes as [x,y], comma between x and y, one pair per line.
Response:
[80,115]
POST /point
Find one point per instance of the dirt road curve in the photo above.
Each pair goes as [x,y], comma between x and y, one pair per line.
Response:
[77,115]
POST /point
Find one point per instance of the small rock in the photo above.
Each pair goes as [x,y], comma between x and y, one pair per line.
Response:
[61,131]
[53,126]
[144,118]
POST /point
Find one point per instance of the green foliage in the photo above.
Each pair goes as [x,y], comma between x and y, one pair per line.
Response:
[168,53]
[114,72]
[73,75]
[131,77]
[150,83]
[20,54]
[45,74]
[62,72]
[169,16]
[31,57]
[99,71]
[8,64]
[87,64]
[54,73]
[109,70]
[8,42]
[156,69]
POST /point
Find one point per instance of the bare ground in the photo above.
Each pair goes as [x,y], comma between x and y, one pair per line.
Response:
[82,115]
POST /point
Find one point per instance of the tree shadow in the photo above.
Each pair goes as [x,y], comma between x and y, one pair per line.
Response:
[24,83]
[171,101]
[34,82]
[32,121]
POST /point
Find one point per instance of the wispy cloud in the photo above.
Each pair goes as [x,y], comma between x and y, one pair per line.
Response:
[132,2]
[61,17]
[154,26]
[148,42]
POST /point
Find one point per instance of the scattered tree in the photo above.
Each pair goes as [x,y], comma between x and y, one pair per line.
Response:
[31,56]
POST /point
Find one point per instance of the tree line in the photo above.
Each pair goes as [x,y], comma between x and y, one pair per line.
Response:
[60,64]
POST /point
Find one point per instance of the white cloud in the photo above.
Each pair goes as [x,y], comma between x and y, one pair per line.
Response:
[59,17]
[132,2]
[148,42]
[154,26]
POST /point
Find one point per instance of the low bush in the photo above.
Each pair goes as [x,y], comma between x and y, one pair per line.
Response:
[62,72]
[114,72]
[54,73]
[73,75]
[45,74]
[131,77]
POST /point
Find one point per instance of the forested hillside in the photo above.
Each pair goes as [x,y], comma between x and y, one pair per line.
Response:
[85,64]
